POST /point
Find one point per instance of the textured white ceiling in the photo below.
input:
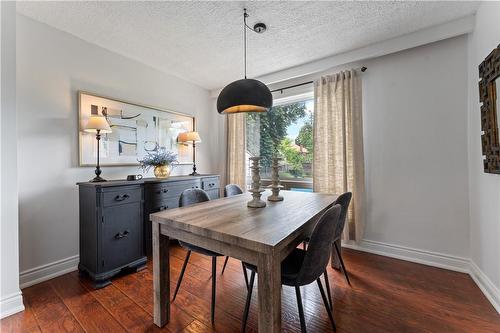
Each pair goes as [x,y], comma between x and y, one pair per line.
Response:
[202,41]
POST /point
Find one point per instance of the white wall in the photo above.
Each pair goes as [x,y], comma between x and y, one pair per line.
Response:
[10,295]
[51,67]
[415,124]
[484,187]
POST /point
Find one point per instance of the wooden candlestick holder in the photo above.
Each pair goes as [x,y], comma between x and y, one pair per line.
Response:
[275,181]
[256,190]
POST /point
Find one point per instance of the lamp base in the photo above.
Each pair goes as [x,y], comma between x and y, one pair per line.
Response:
[97,179]
[194,173]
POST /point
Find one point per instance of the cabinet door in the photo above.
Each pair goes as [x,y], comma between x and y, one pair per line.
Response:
[213,194]
[122,235]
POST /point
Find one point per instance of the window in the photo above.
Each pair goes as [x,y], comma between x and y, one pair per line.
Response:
[284,131]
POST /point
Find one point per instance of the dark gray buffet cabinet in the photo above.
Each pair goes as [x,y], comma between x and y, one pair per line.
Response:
[115,231]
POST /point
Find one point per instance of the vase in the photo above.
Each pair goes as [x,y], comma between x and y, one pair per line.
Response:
[162,171]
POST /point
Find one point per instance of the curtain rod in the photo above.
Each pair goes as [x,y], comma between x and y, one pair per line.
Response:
[304,83]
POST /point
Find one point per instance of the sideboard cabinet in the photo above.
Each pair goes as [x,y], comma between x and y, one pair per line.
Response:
[115,231]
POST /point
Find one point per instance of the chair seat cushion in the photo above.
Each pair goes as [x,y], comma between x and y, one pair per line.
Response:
[199,250]
[290,267]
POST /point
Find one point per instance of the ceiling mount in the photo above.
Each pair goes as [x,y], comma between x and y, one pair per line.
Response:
[259,28]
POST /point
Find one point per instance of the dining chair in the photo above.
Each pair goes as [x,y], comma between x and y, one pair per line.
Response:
[302,267]
[343,200]
[189,197]
[229,191]
[232,189]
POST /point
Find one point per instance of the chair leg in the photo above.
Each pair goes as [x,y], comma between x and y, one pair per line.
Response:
[342,264]
[182,274]
[301,310]
[214,278]
[325,301]
[327,286]
[245,274]
[248,301]
[225,263]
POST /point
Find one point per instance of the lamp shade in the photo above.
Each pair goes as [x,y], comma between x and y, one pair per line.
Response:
[245,95]
[97,123]
[189,137]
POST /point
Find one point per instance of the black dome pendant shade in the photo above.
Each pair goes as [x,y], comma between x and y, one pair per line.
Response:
[245,95]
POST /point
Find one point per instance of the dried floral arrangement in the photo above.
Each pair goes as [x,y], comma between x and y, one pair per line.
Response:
[159,156]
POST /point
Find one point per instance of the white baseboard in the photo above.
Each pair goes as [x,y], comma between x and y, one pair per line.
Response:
[434,259]
[49,271]
[11,304]
[487,287]
[424,257]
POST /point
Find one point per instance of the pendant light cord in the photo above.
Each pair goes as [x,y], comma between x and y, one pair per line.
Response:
[245,15]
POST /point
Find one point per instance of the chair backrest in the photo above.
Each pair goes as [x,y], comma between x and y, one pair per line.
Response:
[343,200]
[232,189]
[192,196]
[319,248]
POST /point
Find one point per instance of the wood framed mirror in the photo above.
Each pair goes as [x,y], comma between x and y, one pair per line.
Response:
[489,96]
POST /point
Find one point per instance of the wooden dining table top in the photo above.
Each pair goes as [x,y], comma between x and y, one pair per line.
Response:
[260,229]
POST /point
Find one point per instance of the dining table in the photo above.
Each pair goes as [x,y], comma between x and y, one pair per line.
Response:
[259,236]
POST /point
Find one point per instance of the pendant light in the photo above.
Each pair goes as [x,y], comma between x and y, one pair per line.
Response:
[245,95]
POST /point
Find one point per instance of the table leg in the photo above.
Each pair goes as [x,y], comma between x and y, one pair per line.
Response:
[269,274]
[161,277]
[334,257]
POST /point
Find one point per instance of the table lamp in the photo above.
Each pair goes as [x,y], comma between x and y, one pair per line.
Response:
[98,125]
[190,138]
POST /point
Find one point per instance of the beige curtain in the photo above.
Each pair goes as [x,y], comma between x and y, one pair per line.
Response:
[338,164]
[236,148]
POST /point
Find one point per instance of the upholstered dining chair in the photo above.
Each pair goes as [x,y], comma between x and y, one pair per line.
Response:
[189,197]
[343,200]
[303,267]
[232,189]
[229,191]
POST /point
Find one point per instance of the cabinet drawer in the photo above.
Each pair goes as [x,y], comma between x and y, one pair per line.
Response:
[122,195]
[159,205]
[210,183]
[162,191]
[121,240]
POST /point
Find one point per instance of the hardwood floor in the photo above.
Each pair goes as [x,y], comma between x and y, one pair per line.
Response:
[387,295]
